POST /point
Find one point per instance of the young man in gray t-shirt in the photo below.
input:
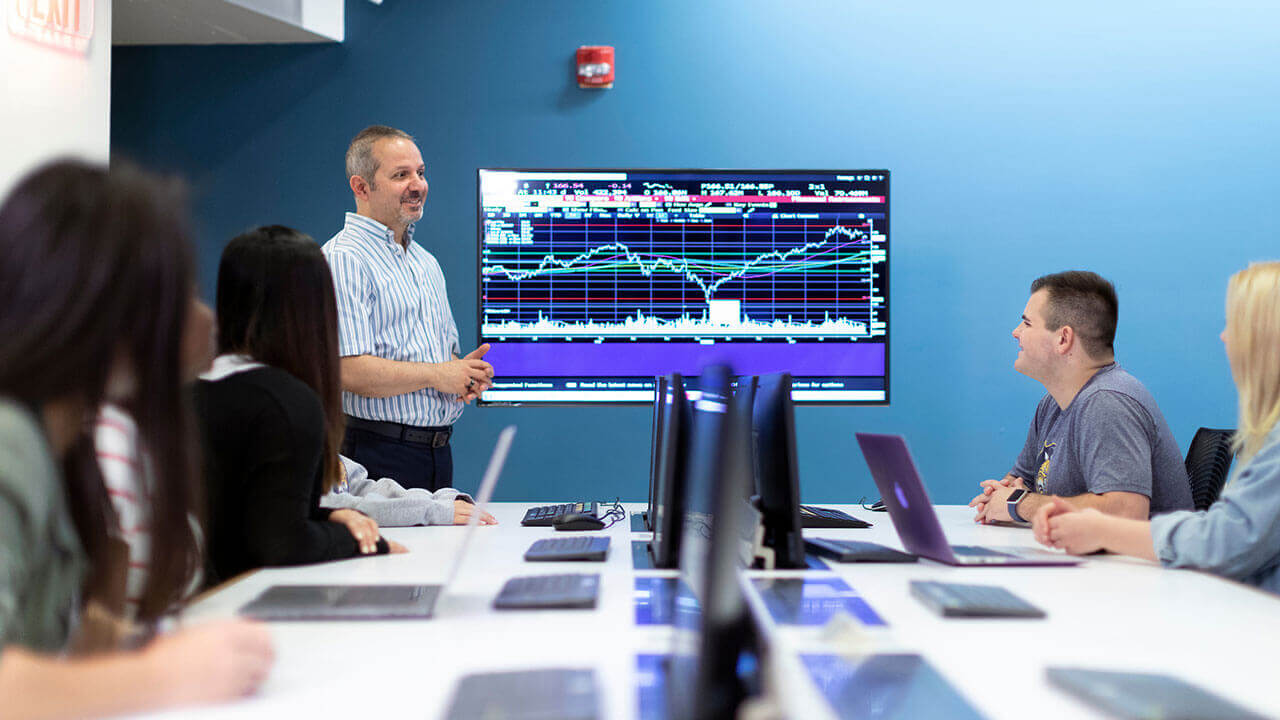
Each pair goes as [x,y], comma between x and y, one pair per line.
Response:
[1098,439]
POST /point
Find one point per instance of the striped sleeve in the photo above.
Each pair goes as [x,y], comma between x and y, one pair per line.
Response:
[355,307]
[446,318]
[125,477]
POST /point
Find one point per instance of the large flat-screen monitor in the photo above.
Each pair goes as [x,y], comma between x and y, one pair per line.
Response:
[593,282]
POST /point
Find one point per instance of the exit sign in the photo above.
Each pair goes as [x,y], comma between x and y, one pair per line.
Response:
[66,24]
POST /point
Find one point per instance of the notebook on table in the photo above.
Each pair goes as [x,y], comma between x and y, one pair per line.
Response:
[1145,696]
[550,694]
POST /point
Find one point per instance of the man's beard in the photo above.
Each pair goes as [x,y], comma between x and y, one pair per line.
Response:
[408,218]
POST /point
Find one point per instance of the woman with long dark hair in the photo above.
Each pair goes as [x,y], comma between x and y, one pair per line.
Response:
[129,473]
[269,411]
[95,287]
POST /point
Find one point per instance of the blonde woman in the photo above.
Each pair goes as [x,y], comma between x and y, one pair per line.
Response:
[1238,537]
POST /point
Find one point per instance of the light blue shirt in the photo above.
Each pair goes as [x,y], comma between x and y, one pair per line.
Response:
[392,304]
[1239,535]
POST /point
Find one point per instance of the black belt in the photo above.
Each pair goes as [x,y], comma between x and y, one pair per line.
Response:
[436,437]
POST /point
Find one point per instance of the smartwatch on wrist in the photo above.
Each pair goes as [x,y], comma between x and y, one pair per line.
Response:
[1012,505]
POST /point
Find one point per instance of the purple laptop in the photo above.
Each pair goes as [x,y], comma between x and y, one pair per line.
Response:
[917,524]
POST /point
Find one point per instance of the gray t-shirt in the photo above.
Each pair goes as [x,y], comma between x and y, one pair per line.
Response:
[1111,437]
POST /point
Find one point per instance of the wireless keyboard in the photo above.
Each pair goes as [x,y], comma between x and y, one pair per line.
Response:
[819,517]
[583,547]
[568,591]
[846,551]
[543,515]
[955,600]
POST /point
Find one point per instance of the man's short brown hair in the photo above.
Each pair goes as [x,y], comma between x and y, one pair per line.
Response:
[360,159]
[1087,303]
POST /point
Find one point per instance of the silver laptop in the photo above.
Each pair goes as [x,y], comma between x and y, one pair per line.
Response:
[378,602]
[913,516]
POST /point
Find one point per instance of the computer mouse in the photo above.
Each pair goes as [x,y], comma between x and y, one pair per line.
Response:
[577,521]
[878,506]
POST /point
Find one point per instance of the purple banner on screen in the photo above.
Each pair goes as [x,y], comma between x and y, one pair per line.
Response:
[552,359]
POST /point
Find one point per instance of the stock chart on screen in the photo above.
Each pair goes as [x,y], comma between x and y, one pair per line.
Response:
[594,281]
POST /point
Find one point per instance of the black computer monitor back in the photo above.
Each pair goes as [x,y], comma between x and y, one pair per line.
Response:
[667,516]
[777,472]
[655,446]
[744,396]
[703,679]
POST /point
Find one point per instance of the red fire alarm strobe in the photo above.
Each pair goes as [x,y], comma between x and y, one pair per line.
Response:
[595,66]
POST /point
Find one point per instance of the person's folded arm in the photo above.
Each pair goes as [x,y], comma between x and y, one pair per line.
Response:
[1118,503]
[403,509]
[378,377]
[392,505]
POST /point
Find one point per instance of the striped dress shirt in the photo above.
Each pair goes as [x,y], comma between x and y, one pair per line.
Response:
[392,304]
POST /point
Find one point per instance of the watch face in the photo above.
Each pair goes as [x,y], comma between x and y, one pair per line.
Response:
[1012,505]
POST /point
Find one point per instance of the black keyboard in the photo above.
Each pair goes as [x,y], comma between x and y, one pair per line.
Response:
[856,551]
[955,600]
[818,517]
[583,547]
[572,590]
[543,515]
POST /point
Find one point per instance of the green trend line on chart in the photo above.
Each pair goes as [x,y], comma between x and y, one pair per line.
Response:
[766,263]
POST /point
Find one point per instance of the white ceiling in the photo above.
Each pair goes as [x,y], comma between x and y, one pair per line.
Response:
[213,22]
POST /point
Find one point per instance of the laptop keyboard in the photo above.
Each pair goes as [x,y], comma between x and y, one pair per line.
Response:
[542,515]
[977,551]
[583,547]
[381,594]
[955,600]
[342,602]
[570,590]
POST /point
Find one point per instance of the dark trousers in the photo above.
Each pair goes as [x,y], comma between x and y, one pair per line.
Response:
[409,463]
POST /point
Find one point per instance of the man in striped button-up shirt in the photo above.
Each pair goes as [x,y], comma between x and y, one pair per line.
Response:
[403,382]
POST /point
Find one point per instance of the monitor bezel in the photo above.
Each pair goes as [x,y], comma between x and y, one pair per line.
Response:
[888,281]
[655,445]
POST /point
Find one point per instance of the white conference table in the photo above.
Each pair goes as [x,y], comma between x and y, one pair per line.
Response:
[1110,613]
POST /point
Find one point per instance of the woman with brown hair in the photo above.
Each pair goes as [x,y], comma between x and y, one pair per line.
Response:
[95,287]
[270,415]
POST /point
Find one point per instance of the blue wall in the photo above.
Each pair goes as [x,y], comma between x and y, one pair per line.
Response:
[1135,139]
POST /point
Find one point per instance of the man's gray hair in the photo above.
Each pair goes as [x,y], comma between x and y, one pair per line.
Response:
[360,159]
